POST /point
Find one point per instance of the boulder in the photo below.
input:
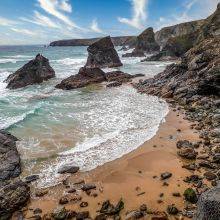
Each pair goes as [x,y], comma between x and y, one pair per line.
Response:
[209,205]
[118,76]
[12,197]
[10,166]
[68,169]
[103,54]
[34,72]
[86,76]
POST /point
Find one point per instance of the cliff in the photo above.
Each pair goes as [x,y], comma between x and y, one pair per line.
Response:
[166,33]
[117,41]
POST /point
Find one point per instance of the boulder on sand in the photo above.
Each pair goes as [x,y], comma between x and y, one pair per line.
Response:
[10,166]
[103,54]
[34,72]
[85,77]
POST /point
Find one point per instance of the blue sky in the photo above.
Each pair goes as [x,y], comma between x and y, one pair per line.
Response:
[43,21]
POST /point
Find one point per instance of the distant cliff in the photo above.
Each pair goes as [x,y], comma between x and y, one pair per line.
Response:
[166,33]
[117,41]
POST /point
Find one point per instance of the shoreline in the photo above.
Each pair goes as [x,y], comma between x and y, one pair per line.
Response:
[135,175]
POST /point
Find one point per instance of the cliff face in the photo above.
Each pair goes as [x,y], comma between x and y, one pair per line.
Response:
[166,33]
[117,41]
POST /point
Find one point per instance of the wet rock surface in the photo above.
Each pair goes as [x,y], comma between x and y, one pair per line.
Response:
[10,166]
[12,197]
[103,54]
[34,72]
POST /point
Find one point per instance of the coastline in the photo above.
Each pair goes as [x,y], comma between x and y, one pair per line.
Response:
[135,177]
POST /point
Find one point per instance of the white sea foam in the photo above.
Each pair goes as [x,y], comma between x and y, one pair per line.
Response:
[71,61]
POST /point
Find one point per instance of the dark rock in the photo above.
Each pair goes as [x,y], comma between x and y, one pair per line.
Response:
[88,186]
[31,178]
[134,54]
[41,192]
[190,195]
[109,209]
[83,204]
[63,200]
[60,213]
[206,164]
[12,197]
[118,76]
[209,204]
[114,84]
[103,54]
[184,144]
[187,153]
[133,215]
[172,210]
[86,76]
[10,166]
[176,194]
[143,208]
[191,166]
[34,72]
[210,176]
[165,175]
[82,215]
[37,211]
[101,217]
[68,169]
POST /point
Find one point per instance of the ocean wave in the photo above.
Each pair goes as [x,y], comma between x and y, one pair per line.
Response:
[71,61]
[10,122]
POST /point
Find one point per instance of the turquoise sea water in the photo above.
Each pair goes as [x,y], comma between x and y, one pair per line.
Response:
[86,127]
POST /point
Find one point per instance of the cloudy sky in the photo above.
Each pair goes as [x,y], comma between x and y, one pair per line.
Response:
[43,21]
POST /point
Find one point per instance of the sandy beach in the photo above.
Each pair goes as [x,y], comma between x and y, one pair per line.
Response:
[135,177]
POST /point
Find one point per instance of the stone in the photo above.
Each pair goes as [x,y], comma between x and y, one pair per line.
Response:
[85,77]
[13,196]
[37,211]
[68,169]
[31,178]
[82,215]
[10,166]
[143,208]
[101,217]
[172,210]
[63,200]
[60,213]
[133,215]
[165,175]
[109,209]
[113,84]
[83,204]
[184,144]
[210,176]
[88,186]
[103,54]
[190,195]
[187,153]
[34,72]
[41,192]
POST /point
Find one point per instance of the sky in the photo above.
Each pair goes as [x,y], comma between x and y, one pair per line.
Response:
[42,21]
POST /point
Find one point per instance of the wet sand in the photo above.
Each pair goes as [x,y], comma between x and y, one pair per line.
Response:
[135,177]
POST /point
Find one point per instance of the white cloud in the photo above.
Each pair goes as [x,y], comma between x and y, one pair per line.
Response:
[52,7]
[6,22]
[139,14]
[24,31]
[41,20]
[65,6]
[95,28]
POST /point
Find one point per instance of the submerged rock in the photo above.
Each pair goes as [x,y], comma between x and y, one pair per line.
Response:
[10,166]
[103,54]
[34,72]
[190,195]
[13,196]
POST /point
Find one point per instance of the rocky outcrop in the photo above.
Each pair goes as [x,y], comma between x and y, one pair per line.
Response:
[12,197]
[103,54]
[13,193]
[117,41]
[163,35]
[145,43]
[10,166]
[85,77]
[34,72]
[209,205]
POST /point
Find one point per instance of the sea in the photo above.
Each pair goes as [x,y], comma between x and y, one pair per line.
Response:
[86,127]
